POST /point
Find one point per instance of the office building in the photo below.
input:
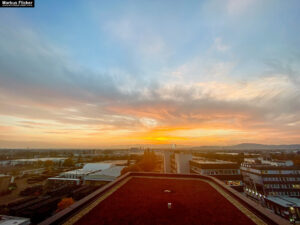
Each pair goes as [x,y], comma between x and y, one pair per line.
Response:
[167,161]
[180,163]
[264,178]
[285,206]
[229,172]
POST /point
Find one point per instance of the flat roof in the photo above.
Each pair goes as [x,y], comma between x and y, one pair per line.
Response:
[111,172]
[37,159]
[88,168]
[77,172]
[285,201]
[116,162]
[213,162]
[145,201]
[12,220]
[4,176]
[64,178]
[142,199]
[269,167]
[96,166]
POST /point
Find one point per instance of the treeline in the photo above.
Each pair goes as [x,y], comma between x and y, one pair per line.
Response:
[117,157]
[287,156]
[147,163]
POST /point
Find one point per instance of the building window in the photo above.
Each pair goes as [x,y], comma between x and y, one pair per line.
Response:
[296,186]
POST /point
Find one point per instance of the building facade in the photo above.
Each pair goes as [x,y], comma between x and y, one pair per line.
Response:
[167,161]
[264,178]
[228,172]
[286,207]
[180,163]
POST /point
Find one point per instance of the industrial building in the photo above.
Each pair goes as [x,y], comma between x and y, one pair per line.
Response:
[104,176]
[86,170]
[13,220]
[91,173]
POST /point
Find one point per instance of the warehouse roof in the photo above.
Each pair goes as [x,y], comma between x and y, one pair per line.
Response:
[96,166]
[108,174]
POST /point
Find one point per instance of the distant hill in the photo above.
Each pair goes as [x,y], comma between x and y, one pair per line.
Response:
[250,146]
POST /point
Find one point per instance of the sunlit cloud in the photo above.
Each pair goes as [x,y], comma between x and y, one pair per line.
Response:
[167,79]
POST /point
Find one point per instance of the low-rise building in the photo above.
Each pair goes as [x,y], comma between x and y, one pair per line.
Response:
[103,176]
[86,170]
[180,163]
[13,220]
[228,172]
[15,162]
[64,180]
[176,162]
[264,178]
[167,161]
[284,206]
[33,171]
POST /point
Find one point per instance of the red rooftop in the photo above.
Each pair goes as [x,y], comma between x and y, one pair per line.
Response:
[150,199]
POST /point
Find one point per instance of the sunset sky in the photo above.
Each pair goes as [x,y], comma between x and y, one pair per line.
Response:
[110,73]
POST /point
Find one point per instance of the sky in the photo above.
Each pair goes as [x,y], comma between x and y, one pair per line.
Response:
[89,74]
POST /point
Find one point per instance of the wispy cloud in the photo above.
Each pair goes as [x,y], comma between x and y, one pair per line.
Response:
[220,46]
[203,89]
[138,36]
[237,7]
